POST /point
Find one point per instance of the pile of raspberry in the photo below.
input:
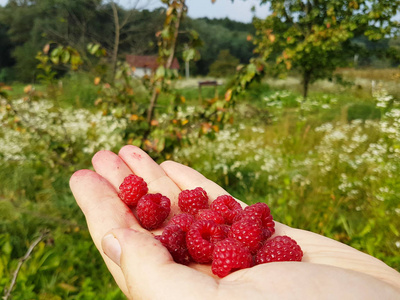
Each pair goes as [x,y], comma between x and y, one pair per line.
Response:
[223,233]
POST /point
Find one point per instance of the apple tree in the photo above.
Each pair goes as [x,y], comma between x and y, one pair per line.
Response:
[314,37]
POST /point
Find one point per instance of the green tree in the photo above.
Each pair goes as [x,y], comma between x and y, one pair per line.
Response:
[32,24]
[313,36]
[225,65]
[227,34]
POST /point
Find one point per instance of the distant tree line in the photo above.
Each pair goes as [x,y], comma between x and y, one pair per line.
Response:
[27,26]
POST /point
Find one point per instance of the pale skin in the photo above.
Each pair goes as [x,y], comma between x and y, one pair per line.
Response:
[144,269]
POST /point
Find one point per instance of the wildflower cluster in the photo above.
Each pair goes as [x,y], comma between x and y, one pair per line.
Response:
[29,129]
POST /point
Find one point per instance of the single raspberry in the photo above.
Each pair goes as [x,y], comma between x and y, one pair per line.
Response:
[230,255]
[201,238]
[174,239]
[209,214]
[249,232]
[191,201]
[262,212]
[227,206]
[132,189]
[280,248]
[183,220]
[152,210]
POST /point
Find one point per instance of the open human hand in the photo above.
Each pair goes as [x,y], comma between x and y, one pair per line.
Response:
[144,269]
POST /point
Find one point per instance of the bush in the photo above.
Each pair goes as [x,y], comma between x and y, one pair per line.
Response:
[225,65]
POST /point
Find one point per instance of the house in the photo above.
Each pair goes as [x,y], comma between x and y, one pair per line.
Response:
[145,64]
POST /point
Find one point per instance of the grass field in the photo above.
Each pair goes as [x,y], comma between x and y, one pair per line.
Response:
[329,164]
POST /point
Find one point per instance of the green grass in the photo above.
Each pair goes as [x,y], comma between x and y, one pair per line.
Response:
[18,89]
[78,90]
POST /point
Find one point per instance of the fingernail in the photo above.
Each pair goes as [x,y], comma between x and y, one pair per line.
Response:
[112,248]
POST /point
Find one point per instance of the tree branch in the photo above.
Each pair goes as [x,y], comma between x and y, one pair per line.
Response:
[20,263]
[116,39]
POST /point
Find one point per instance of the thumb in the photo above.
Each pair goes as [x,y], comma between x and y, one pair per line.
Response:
[134,244]
[149,269]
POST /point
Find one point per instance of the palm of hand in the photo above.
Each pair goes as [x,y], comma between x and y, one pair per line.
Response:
[329,268]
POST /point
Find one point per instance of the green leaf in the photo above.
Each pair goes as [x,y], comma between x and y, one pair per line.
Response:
[55,59]
[95,48]
[366,230]
[160,72]
[7,248]
[342,220]
[394,229]
[189,54]
[65,56]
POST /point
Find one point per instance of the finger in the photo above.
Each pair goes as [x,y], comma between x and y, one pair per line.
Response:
[141,164]
[150,271]
[100,204]
[111,167]
[103,210]
[321,250]
[306,281]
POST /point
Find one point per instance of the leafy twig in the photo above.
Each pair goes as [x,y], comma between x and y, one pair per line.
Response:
[20,263]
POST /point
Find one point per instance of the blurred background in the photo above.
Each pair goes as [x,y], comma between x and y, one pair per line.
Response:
[291,103]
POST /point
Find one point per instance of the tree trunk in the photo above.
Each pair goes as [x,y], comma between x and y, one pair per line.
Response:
[187,72]
[168,63]
[153,102]
[175,38]
[116,42]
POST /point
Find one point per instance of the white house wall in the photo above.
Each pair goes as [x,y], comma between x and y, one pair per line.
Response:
[140,72]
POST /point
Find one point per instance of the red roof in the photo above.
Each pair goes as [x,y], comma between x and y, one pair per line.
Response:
[146,61]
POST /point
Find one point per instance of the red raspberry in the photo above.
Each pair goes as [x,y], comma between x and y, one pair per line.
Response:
[191,201]
[209,214]
[174,239]
[152,210]
[280,248]
[132,189]
[183,220]
[227,206]
[230,255]
[262,212]
[249,232]
[201,238]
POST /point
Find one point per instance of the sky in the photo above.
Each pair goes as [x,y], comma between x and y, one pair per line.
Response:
[239,10]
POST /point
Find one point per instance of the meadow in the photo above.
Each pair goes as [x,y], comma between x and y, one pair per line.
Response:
[329,164]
